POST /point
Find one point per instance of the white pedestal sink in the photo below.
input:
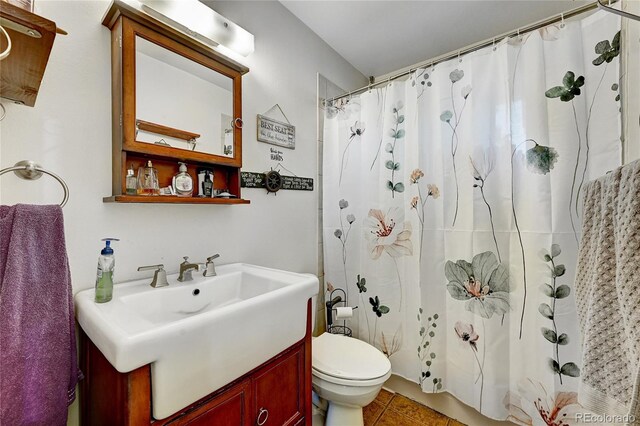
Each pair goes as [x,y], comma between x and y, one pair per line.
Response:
[198,335]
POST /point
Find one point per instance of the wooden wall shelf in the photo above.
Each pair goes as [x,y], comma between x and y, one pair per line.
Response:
[23,69]
[159,129]
[170,199]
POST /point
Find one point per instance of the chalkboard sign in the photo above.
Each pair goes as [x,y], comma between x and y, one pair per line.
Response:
[256,180]
[297,183]
[252,180]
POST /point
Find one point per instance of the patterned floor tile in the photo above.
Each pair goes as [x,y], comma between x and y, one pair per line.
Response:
[417,412]
[384,397]
[371,413]
[393,418]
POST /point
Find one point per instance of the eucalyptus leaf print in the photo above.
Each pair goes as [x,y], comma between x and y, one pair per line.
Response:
[483,284]
[418,203]
[426,353]
[389,233]
[570,88]
[607,52]
[449,116]
[342,234]
[556,292]
[567,92]
[356,131]
[397,133]
[541,160]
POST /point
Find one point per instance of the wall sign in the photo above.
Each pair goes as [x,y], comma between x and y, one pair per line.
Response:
[276,132]
[257,180]
[275,154]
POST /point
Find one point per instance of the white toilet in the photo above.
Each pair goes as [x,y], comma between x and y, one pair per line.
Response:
[348,373]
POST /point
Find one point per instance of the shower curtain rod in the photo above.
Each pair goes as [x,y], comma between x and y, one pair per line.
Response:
[477,46]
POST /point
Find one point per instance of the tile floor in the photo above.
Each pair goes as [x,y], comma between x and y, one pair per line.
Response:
[392,409]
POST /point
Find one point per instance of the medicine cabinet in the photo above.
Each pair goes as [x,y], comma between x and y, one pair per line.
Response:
[174,99]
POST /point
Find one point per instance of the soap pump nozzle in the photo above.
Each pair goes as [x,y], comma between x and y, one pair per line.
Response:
[107,248]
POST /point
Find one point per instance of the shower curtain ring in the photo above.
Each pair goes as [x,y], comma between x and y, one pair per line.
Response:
[562,20]
[494,43]
[459,59]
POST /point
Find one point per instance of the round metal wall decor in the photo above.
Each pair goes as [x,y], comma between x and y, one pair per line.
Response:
[272,181]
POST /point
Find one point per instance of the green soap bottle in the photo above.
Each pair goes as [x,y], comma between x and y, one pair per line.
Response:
[104,276]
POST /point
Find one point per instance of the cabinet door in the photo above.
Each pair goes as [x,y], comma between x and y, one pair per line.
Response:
[231,408]
[278,392]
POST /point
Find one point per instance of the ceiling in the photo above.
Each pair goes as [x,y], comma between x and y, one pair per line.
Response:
[379,37]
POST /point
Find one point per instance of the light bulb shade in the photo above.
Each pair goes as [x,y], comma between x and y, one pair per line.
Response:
[202,23]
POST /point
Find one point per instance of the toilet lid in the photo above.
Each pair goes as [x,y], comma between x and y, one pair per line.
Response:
[348,358]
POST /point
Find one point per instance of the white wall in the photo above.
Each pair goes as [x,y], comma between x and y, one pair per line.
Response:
[69,132]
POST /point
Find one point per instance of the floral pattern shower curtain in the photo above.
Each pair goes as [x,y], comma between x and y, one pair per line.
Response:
[452,214]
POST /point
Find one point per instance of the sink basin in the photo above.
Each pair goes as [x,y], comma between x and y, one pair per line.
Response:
[198,335]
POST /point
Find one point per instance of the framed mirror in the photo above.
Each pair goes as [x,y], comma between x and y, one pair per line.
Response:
[178,102]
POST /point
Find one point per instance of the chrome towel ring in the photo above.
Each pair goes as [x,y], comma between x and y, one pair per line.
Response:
[30,170]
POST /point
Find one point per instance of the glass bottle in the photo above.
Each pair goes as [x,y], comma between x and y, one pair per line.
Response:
[131,182]
[148,180]
[207,185]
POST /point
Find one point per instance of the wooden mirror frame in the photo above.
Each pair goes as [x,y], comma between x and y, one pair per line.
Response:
[125,22]
[131,29]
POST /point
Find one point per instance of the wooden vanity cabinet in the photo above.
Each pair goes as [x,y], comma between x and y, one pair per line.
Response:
[276,393]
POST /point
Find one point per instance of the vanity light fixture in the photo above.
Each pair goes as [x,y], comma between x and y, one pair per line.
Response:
[202,23]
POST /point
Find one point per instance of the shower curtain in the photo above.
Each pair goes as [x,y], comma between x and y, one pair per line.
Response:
[452,211]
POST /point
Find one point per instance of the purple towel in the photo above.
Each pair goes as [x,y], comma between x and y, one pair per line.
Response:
[38,365]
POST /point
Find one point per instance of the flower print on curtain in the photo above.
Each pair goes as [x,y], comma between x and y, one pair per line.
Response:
[532,405]
[388,233]
[453,121]
[458,182]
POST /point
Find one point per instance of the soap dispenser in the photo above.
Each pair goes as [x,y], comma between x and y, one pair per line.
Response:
[182,182]
[104,276]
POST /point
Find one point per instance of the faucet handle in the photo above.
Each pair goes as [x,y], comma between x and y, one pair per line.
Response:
[210,267]
[186,259]
[159,276]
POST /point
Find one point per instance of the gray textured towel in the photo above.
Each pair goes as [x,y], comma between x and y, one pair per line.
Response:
[38,368]
[608,293]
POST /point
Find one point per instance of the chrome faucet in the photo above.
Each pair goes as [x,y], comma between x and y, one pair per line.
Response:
[186,268]
[210,267]
[159,276]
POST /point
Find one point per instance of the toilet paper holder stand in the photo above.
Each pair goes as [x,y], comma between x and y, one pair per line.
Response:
[331,307]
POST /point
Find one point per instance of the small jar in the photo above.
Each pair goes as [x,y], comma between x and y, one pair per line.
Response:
[131,182]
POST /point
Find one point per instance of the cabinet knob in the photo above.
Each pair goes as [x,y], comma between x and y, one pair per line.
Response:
[263,415]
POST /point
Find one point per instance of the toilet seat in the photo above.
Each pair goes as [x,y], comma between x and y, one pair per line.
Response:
[348,361]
